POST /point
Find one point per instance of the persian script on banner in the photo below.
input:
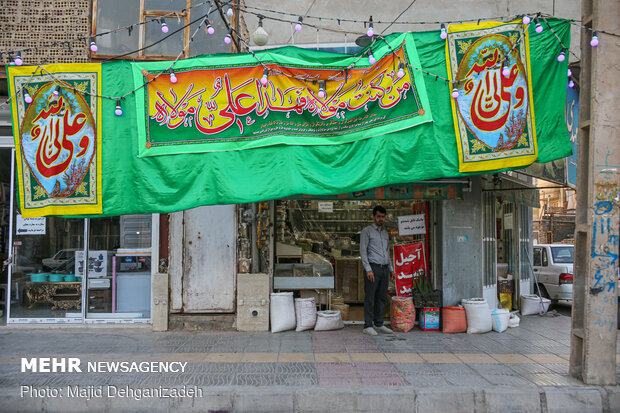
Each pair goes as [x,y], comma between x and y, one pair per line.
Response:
[493,113]
[57,138]
[226,106]
[409,265]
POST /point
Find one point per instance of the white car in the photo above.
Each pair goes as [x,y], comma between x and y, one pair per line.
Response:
[553,266]
[60,258]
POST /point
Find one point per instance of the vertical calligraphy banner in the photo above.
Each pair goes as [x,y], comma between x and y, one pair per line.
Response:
[56,124]
[409,265]
[493,113]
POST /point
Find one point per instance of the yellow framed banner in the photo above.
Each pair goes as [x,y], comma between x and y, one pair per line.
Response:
[494,111]
[56,124]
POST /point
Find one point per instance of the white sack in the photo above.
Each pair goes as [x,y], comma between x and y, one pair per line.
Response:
[282,312]
[478,315]
[305,313]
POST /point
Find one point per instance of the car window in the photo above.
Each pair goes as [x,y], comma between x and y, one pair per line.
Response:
[562,255]
[545,260]
[537,257]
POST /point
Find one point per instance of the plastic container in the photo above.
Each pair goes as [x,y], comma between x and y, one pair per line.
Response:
[530,304]
[56,278]
[454,320]
[429,319]
[500,318]
[39,277]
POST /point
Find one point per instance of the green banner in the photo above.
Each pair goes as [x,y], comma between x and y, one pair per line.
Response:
[133,184]
[239,101]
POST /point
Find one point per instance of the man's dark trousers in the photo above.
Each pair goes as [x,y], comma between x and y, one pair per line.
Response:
[376,293]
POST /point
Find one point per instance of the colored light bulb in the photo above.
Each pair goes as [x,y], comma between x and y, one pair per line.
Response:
[570,73]
[118,111]
[539,27]
[371,59]
[18,59]
[505,71]
[173,77]
[443,33]
[298,25]
[401,71]
[562,55]
[322,90]
[229,12]
[228,38]
[594,41]
[455,93]
[371,30]
[526,19]
[27,98]
[263,79]
[164,27]
[93,45]
[571,84]
[210,29]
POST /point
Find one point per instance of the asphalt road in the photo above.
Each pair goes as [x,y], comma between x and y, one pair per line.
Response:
[563,307]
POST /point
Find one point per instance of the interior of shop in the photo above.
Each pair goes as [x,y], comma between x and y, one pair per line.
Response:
[317,245]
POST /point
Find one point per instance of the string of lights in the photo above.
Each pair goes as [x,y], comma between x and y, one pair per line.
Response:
[343,71]
[91,40]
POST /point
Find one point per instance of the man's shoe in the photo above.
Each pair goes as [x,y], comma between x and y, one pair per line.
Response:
[384,330]
[370,331]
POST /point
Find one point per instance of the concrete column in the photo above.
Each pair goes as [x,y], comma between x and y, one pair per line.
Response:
[594,324]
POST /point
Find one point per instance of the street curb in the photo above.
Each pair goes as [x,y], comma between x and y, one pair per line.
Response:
[345,399]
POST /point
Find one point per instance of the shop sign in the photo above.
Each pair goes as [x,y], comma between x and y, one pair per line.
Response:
[30,226]
[493,112]
[418,190]
[241,103]
[326,207]
[58,140]
[411,225]
[409,265]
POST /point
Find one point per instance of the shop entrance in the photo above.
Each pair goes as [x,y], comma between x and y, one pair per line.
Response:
[320,238]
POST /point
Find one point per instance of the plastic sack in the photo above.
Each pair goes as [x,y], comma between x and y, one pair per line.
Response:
[328,320]
[500,319]
[282,312]
[402,314]
[454,320]
[305,313]
[478,315]
[513,321]
[531,304]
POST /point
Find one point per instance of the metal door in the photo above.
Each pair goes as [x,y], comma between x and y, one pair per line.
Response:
[209,259]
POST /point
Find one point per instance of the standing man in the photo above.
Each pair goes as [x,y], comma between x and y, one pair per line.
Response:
[378,269]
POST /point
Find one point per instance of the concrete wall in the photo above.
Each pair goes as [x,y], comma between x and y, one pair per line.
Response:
[459,230]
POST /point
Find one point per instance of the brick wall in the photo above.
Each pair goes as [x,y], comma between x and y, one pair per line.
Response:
[35,24]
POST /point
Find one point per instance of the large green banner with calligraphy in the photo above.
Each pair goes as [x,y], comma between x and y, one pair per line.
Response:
[397,146]
[234,102]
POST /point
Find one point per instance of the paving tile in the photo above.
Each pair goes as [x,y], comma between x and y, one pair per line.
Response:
[295,357]
[546,358]
[557,368]
[476,358]
[463,380]
[296,368]
[332,357]
[259,357]
[511,358]
[492,369]
[368,357]
[296,380]
[393,380]
[454,369]
[529,368]
[404,358]
[440,358]
[553,379]
[508,380]
[426,380]
[223,357]
[253,379]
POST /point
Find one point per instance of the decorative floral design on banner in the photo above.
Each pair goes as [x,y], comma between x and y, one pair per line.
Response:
[493,112]
[58,142]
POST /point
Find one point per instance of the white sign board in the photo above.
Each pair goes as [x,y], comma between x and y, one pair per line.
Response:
[30,226]
[97,263]
[326,207]
[411,224]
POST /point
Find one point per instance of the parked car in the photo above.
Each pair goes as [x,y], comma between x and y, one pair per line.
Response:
[60,258]
[553,266]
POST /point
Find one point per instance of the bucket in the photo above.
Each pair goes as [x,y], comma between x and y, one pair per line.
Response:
[530,304]
[454,320]
[344,310]
[500,319]
[337,300]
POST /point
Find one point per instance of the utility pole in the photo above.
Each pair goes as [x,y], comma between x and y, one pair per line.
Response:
[594,323]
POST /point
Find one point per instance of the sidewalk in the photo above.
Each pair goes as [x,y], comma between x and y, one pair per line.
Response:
[524,369]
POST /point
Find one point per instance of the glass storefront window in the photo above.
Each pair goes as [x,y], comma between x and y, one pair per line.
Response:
[48,271]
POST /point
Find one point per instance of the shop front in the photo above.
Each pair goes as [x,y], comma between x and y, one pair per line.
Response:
[47,279]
